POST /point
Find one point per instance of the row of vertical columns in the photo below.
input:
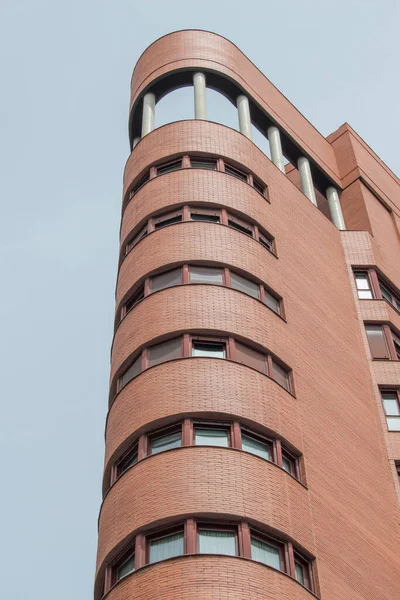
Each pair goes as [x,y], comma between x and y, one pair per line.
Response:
[245,127]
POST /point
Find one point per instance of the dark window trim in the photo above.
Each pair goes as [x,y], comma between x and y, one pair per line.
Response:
[389,390]
[376,281]
[388,334]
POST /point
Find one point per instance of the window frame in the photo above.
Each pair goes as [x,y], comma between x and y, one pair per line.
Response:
[167,165]
[236,172]
[214,425]
[119,561]
[163,533]
[204,160]
[388,336]
[396,392]
[270,443]
[307,570]
[160,433]
[273,542]
[212,526]
[211,340]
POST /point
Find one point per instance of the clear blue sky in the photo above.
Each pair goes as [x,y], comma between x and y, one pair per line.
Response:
[65,75]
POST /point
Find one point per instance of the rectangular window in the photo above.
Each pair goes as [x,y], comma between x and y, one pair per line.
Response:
[265,552]
[302,571]
[168,219]
[142,233]
[281,375]
[165,441]
[213,541]
[266,241]
[174,165]
[168,350]
[396,342]
[131,372]
[244,285]
[206,275]
[235,172]
[240,225]
[124,567]
[211,436]
[210,349]
[135,299]
[199,214]
[165,547]
[140,183]
[251,358]
[288,463]
[272,302]
[363,285]
[260,187]
[203,163]
[256,446]
[391,407]
[166,280]
[128,460]
[377,341]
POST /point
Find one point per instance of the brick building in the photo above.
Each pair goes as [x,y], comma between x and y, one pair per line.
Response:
[253,432]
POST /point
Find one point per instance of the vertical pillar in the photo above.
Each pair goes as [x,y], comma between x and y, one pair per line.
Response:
[149,108]
[244,116]
[274,138]
[136,140]
[335,208]
[306,181]
[200,102]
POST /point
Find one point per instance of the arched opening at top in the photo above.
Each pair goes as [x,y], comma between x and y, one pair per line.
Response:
[177,105]
[221,110]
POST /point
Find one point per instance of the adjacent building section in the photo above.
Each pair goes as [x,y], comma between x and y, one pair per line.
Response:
[253,431]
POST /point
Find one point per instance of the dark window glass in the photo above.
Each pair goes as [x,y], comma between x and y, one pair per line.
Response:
[211,436]
[235,172]
[272,302]
[363,285]
[211,349]
[206,275]
[166,546]
[137,239]
[280,375]
[171,166]
[260,187]
[140,183]
[137,297]
[212,541]
[133,370]
[166,280]
[130,459]
[377,341]
[245,285]
[125,567]
[165,351]
[240,225]
[288,463]
[205,217]
[255,446]
[167,221]
[302,571]
[396,342]
[266,241]
[251,358]
[166,441]
[265,553]
[386,293]
[203,163]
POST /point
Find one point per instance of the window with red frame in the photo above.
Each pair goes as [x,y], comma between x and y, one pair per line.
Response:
[267,551]
[165,545]
[123,566]
[384,343]
[370,284]
[391,406]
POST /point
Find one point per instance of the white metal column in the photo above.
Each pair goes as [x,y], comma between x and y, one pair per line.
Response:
[335,208]
[306,181]
[200,101]
[244,116]
[275,146]
[149,109]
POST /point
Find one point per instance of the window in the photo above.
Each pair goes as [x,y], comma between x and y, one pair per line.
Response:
[260,187]
[166,546]
[140,183]
[167,219]
[142,233]
[131,372]
[235,172]
[210,349]
[135,299]
[128,460]
[389,295]
[206,275]
[377,341]
[265,552]
[256,446]
[396,342]
[125,566]
[251,358]
[391,406]
[244,285]
[214,541]
[166,280]
[272,302]
[166,441]
[203,163]
[211,216]
[302,571]
[240,225]
[211,436]
[266,241]
[363,285]
[289,463]
[168,350]
[281,375]
[168,167]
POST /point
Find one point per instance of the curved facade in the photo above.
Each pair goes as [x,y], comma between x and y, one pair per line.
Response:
[253,430]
